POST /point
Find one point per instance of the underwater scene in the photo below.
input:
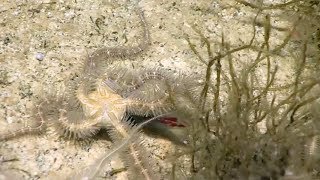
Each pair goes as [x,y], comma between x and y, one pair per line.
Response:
[160,89]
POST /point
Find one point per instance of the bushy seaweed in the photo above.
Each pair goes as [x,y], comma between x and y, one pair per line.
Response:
[265,128]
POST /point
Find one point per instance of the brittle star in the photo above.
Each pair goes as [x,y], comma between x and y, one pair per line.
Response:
[103,100]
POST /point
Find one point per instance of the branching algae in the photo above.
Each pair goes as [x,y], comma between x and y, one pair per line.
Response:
[264,129]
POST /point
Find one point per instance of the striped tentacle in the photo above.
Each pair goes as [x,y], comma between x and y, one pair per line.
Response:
[98,58]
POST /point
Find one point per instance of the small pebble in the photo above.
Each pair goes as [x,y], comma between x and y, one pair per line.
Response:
[39,56]
[9,120]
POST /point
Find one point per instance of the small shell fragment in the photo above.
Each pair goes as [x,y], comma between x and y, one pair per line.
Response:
[39,56]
